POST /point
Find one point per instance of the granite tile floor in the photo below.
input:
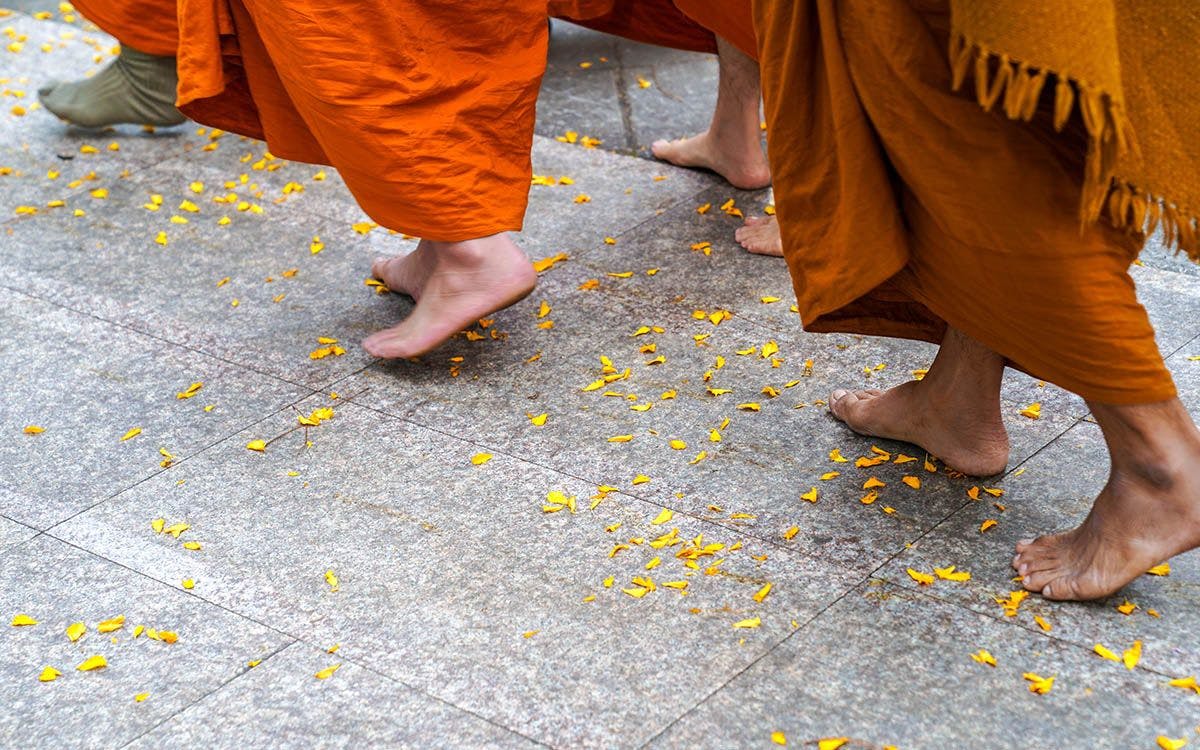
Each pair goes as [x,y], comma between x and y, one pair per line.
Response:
[435,564]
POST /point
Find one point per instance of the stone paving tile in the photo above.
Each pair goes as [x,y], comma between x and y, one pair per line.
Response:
[440,580]
[607,100]
[764,461]
[12,533]
[178,292]
[1157,255]
[1186,371]
[584,100]
[86,383]
[58,585]
[280,704]
[729,277]
[1054,493]
[887,666]
[679,101]
[734,279]
[171,291]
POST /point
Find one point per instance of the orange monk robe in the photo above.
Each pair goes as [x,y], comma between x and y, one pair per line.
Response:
[905,207]
[681,24]
[148,26]
[426,110]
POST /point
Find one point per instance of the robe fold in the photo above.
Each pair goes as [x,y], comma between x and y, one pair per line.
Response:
[425,109]
[906,208]
[148,26]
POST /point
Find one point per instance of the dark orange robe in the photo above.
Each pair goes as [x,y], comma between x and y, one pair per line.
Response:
[906,208]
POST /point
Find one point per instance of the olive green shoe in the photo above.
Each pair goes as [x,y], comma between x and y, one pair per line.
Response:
[135,88]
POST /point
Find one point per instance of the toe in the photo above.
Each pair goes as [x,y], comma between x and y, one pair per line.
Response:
[1059,589]
[378,266]
[839,400]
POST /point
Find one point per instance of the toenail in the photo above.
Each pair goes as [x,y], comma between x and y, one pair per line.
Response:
[838,394]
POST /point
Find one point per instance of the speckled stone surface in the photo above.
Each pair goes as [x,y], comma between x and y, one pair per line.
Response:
[88,383]
[437,579]
[886,666]
[58,585]
[281,703]
[1054,493]
[12,532]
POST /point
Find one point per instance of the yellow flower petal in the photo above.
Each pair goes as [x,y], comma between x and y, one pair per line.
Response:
[922,578]
[49,674]
[1105,653]
[22,621]
[327,672]
[112,624]
[1132,655]
[92,663]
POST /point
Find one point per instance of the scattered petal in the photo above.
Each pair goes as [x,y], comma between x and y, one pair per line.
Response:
[92,663]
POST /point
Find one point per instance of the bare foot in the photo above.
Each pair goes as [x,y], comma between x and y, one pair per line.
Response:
[740,161]
[407,274]
[966,437]
[455,284]
[1147,513]
[760,235]
[953,413]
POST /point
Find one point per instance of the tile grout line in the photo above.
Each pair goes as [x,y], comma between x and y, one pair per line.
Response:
[294,639]
[194,454]
[626,493]
[623,103]
[873,574]
[185,347]
[216,689]
[855,586]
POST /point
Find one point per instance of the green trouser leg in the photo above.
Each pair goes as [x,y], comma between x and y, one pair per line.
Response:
[135,88]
